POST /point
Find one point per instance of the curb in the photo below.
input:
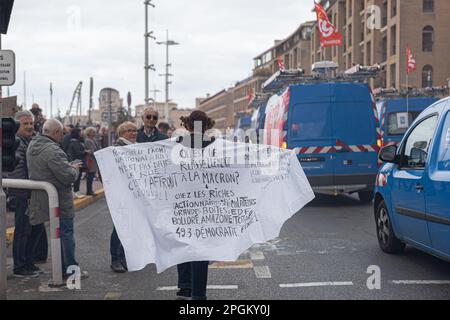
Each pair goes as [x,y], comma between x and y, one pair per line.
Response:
[78,203]
[88,200]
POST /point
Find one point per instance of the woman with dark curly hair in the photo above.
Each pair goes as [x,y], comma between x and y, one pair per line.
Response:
[193,276]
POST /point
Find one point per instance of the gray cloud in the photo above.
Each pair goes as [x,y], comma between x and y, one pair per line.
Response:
[218,42]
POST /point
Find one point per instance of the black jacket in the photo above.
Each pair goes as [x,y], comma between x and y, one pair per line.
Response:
[20,167]
[75,150]
[155,136]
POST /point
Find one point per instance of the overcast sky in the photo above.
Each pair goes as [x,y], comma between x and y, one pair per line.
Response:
[67,41]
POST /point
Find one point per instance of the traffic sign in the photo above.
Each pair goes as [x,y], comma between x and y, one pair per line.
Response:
[7,68]
[105,116]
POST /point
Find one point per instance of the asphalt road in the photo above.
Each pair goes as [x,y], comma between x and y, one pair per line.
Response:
[323,252]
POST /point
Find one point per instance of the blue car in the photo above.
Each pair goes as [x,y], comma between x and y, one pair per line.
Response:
[412,193]
[397,114]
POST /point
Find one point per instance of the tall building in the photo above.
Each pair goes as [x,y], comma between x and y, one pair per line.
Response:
[295,52]
[379,31]
[219,107]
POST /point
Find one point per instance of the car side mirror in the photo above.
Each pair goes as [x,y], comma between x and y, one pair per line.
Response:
[389,154]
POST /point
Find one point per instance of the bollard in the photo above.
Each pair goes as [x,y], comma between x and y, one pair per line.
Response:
[54,213]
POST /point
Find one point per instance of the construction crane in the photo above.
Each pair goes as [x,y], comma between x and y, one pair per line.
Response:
[76,95]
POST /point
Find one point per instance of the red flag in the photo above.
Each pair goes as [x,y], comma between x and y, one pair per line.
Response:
[328,34]
[411,65]
[281,65]
[251,95]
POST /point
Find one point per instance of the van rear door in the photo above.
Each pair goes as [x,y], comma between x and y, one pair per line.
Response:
[310,131]
[355,130]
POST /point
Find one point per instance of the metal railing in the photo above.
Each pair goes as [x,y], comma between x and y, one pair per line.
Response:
[54,213]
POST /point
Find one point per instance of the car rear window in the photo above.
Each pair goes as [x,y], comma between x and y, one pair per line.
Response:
[398,123]
[311,121]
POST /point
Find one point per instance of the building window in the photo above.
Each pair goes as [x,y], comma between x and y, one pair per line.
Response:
[394,8]
[427,76]
[428,39]
[428,6]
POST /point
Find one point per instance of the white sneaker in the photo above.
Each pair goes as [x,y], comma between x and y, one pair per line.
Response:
[77,195]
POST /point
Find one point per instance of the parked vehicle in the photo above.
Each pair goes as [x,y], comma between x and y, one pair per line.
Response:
[412,195]
[397,114]
[332,126]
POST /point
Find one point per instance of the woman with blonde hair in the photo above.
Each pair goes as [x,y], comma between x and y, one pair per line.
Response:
[127,132]
[90,147]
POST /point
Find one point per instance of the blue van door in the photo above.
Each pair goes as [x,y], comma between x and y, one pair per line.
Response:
[408,186]
[310,131]
[355,131]
[438,191]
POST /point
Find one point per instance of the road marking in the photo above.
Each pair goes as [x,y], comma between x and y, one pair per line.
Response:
[262,272]
[257,255]
[421,281]
[240,264]
[315,284]
[210,287]
[112,296]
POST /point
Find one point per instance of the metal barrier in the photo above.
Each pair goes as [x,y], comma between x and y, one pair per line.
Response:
[54,213]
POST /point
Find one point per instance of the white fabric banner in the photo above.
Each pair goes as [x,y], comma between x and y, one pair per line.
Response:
[172,204]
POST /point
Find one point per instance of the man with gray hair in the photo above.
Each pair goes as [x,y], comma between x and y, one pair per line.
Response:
[25,237]
[48,162]
[149,132]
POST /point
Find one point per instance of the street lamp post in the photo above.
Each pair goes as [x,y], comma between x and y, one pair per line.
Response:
[167,43]
[147,35]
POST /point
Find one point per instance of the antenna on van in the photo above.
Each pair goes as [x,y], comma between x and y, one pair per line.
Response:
[320,71]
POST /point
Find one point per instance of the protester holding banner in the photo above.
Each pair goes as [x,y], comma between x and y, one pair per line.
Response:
[127,135]
[193,276]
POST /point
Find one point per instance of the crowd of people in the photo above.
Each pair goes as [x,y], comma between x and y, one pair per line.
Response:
[50,152]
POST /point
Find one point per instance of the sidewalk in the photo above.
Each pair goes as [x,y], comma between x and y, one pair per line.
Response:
[79,204]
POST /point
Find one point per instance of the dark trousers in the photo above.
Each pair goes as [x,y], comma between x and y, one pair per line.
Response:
[194,276]
[28,243]
[89,181]
[116,248]
[76,184]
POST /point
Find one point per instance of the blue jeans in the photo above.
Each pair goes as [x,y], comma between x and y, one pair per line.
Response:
[116,248]
[67,244]
[194,276]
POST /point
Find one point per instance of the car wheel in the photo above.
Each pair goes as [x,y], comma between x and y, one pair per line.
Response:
[387,240]
[365,196]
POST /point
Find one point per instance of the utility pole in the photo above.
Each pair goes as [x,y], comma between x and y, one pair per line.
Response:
[91,101]
[154,91]
[147,66]
[109,118]
[24,90]
[167,43]
[51,100]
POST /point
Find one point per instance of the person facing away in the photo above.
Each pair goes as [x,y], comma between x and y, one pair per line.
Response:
[28,240]
[76,151]
[47,162]
[164,128]
[91,146]
[148,132]
[127,135]
[193,276]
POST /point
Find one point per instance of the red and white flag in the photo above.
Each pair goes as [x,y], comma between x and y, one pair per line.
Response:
[328,33]
[281,65]
[411,64]
[251,95]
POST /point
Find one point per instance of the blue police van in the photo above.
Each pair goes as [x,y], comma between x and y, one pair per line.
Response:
[332,126]
[397,114]
[412,195]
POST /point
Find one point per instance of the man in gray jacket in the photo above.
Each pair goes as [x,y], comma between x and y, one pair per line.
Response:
[48,162]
